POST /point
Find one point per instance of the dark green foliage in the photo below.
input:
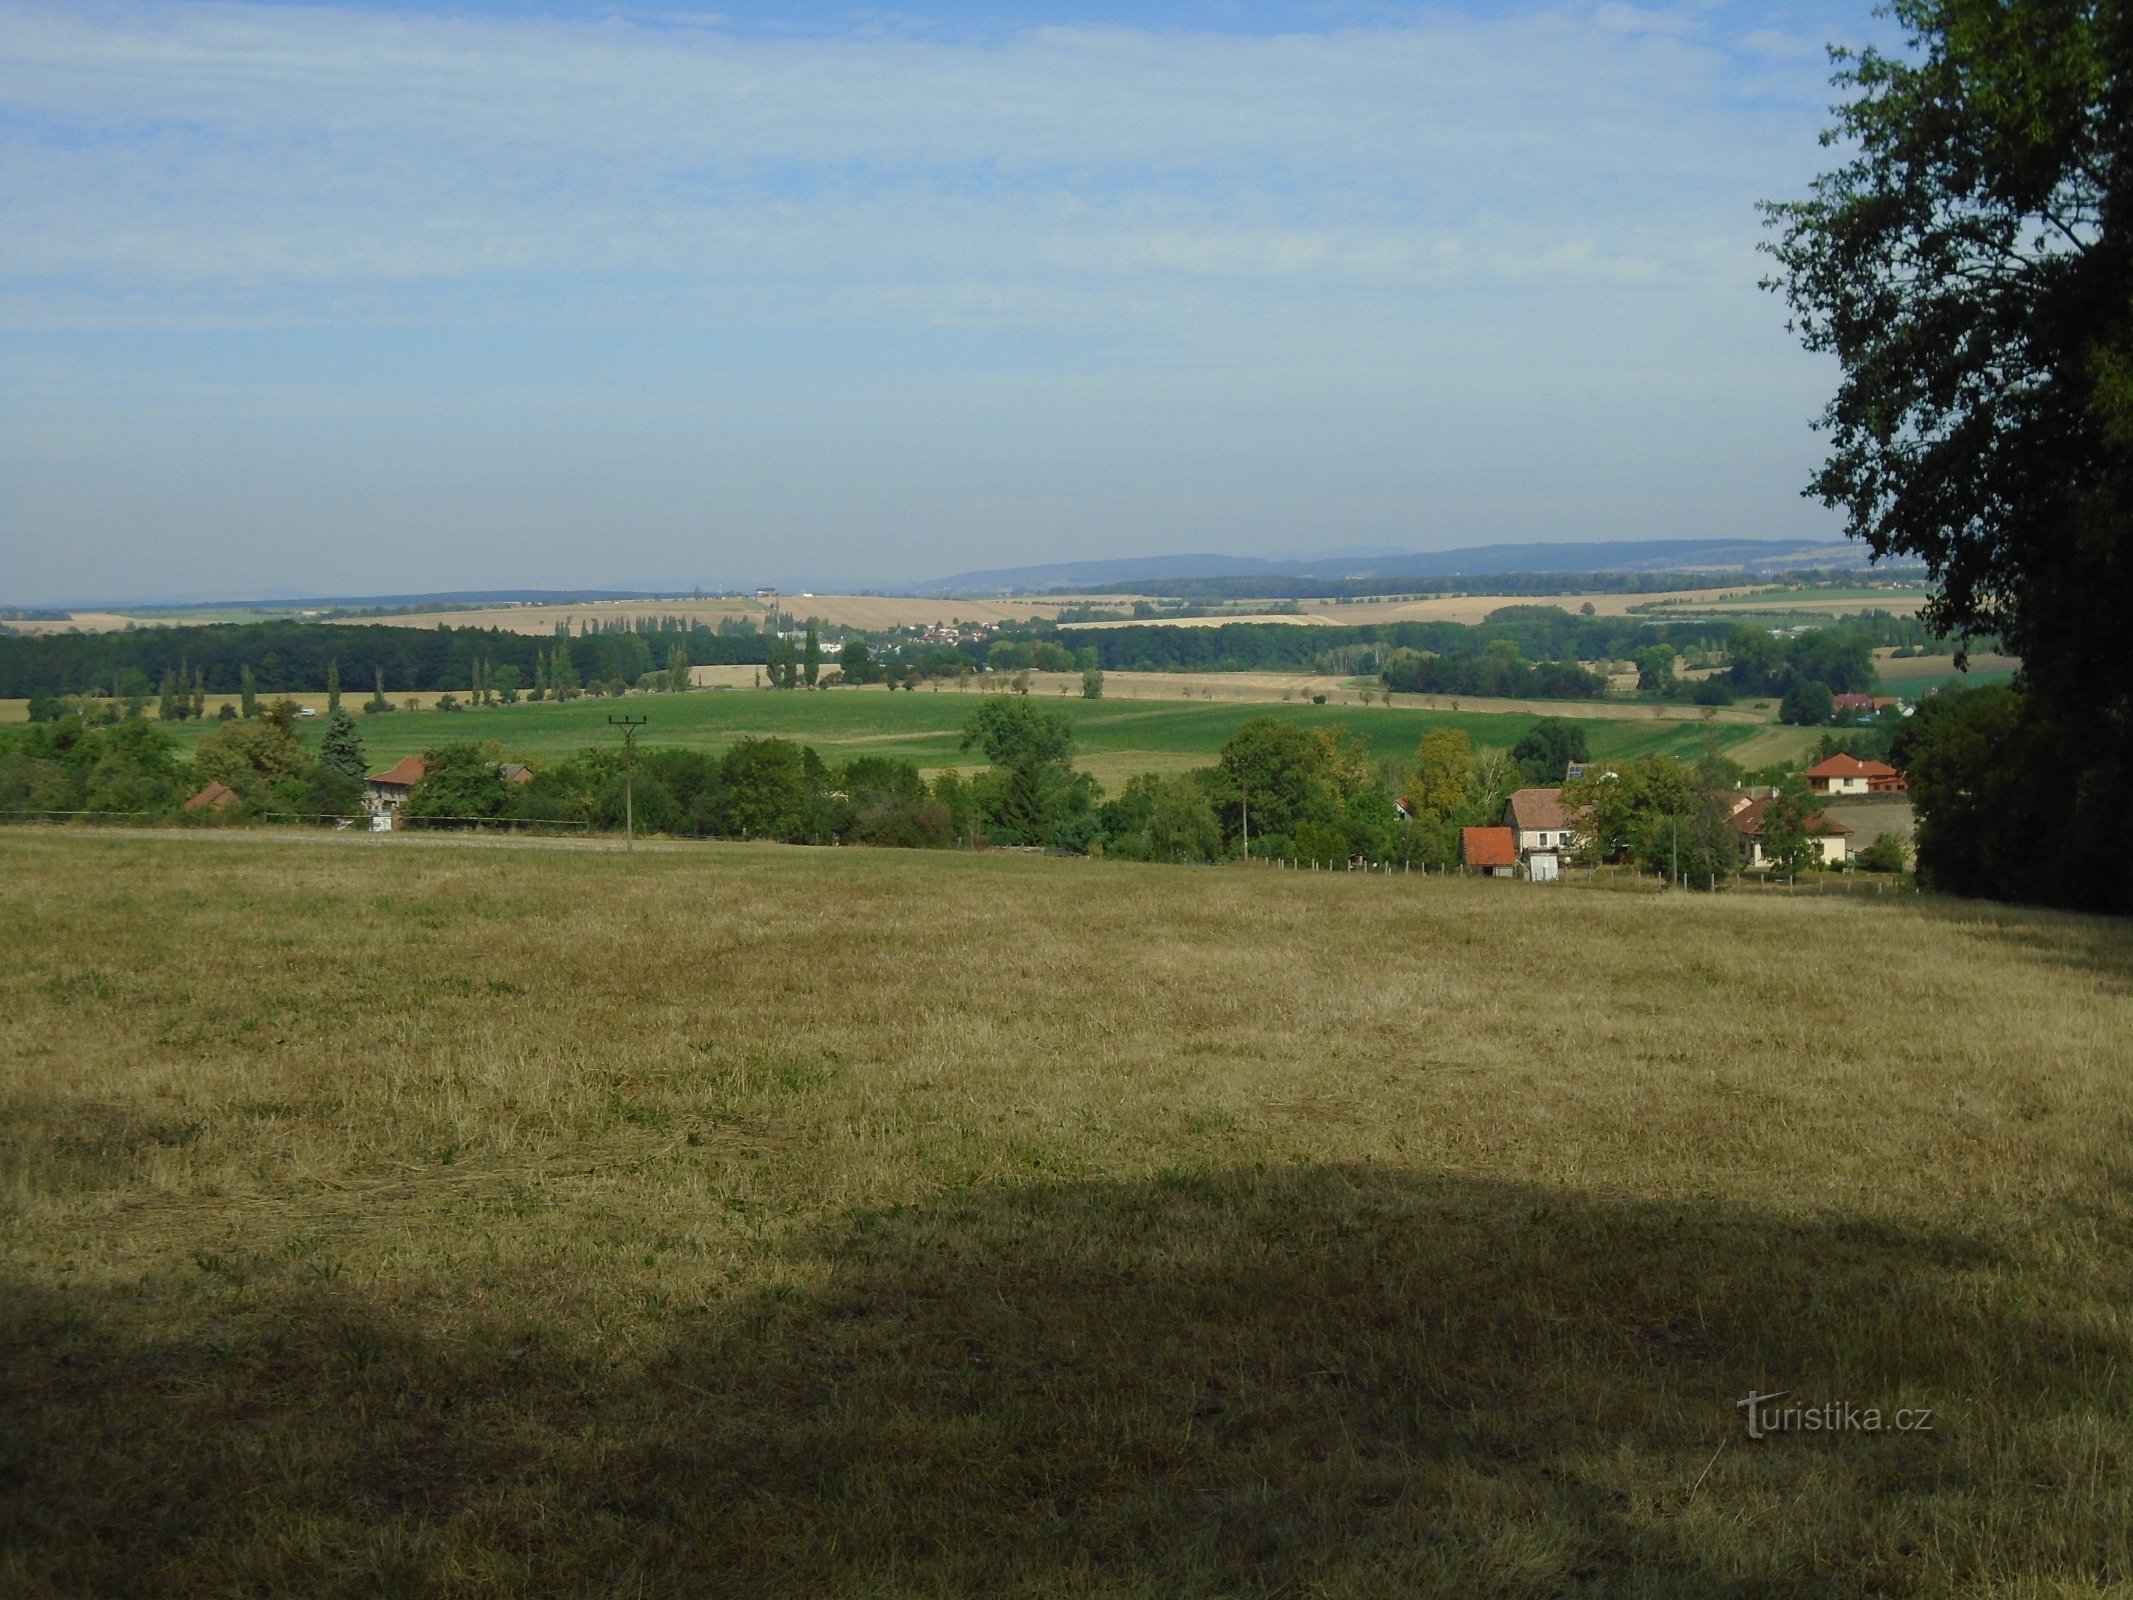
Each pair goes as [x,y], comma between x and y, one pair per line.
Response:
[1548,748]
[1885,854]
[1807,704]
[1031,794]
[65,766]
[458,780]
[248,692]
[1968,266]
[287,657]
[812,667]
[341,749]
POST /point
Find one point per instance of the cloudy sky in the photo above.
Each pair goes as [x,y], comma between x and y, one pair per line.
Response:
[366,298]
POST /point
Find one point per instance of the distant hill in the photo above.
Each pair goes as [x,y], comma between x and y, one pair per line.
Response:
[1639,555]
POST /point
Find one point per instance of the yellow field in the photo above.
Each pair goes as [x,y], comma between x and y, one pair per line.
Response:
[403,1216]
[1468,608]
[862,611]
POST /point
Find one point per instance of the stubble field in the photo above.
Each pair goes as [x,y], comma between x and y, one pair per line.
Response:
[409,1216]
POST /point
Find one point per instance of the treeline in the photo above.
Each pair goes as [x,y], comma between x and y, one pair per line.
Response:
[295,657]
[1273,586]
[1528,651]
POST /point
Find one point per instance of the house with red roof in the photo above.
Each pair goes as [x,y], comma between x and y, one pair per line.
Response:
[1492,852]
[215,797]
[1841,774]
[383,791]
[1831,839]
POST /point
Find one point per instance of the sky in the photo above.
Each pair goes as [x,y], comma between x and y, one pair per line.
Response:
[391,298]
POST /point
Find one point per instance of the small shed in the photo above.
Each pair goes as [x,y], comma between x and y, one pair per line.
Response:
[1493,852]
[215,797]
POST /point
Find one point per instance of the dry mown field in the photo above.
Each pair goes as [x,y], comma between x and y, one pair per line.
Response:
[413,1217]
[865,611]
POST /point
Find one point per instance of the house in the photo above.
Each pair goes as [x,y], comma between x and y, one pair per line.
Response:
[1830,838]
[1493,852]
[1865,705]
[514,772]
[1540,829]
[1842,774]
[1578,771]
[383,791]
[215,797]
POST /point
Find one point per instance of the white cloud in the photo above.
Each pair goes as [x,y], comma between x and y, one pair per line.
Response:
[200,155]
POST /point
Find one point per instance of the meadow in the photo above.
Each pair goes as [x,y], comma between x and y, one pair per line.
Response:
[427,1217]
[1114,738]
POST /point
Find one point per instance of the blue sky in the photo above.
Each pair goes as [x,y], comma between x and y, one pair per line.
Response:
[394,297]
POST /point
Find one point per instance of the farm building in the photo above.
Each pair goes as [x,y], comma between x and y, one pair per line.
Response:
[383,791]
[215,797]
[1492,852]
[1842,774]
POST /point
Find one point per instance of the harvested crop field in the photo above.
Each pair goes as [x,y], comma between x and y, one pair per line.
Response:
[409,1216]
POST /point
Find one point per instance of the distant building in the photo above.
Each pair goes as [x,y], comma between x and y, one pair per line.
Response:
[383,791]
[1831,839]
[1540,829]
[1492,852]
[215,797]
[1842,774]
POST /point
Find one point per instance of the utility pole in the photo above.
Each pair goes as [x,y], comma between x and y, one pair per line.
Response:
[629,727]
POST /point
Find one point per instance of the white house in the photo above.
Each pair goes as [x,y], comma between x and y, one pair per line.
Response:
[1542,830]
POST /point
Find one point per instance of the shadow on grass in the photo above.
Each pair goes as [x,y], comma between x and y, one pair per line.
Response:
[1307,1380]
[2089,943]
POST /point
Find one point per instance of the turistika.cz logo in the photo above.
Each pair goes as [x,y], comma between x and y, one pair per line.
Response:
[1766,1417]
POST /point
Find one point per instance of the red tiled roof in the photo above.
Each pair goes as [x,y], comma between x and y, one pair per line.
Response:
[1488,847]
[1538,808]
[406,775]
[1749,820]
[218,795]
[1841,766]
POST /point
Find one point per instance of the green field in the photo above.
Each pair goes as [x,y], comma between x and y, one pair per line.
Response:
[417,1217]
[1910,676]
[1114,739]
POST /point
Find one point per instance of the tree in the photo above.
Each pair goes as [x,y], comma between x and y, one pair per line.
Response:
[377,704]
[251,757]
[1092,683]
[1807,704]
[1655,668]
[333,687]
[1032,789]
[247,694]
[167,700]
[856,663]
[342,747]
[562,676]
[1278,771]
[458,780]
[1549,746]
[812,669]
[1444,771]
[1787,844]
[1968,266]
[677,668]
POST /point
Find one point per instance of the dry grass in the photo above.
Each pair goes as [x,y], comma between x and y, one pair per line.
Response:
[865,611]
[410,1217]
[1445,608]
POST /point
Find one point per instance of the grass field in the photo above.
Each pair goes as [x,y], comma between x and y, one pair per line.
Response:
[1925,672]
[1114,738]
[413,1217]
